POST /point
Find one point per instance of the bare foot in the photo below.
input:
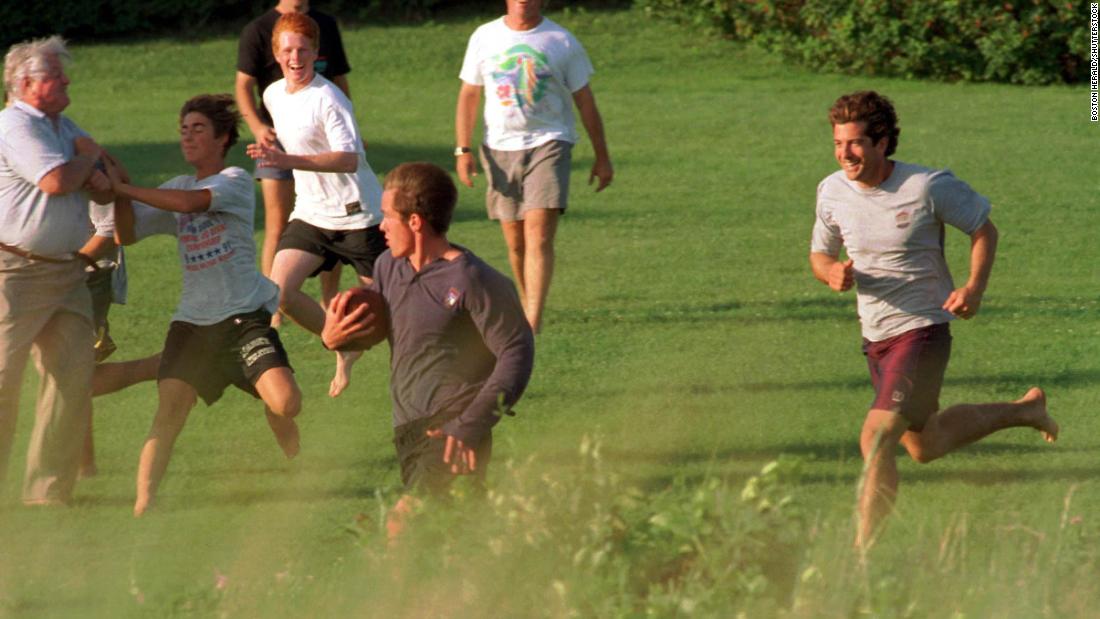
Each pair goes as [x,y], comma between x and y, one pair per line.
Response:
[142,505]
[286,433]
[1039,418]
[342,378]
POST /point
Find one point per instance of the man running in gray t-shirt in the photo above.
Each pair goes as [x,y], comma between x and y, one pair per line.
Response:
[889,217]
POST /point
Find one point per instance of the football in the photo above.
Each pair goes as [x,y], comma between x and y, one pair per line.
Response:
[376,309]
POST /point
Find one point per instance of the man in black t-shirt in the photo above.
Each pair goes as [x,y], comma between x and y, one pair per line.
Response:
[256,70]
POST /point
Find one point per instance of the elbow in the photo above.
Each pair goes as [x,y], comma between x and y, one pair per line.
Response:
[51,185]
[348,163]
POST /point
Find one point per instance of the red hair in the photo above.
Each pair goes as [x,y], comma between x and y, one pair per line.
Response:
[297,23]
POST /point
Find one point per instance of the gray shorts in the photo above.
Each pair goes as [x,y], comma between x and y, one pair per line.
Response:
[520,180]
[278,174]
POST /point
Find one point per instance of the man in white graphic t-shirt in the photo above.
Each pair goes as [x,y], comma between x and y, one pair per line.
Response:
[532,72]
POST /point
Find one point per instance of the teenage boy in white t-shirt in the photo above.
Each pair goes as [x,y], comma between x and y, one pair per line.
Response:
[337,196]
[532,71]
[221,332]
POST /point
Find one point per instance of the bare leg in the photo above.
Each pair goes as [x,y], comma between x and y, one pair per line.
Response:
[109,378]
[112,377]
[282,403]
[962,424]
[330,283]
[879,485]
[513,237]
[290,270]
[540,226]
[278,203]
[176,398]
[398,517]
[344,361]
[945,431]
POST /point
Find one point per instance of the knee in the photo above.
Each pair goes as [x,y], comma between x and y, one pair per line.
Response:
[288,405]
[881,432]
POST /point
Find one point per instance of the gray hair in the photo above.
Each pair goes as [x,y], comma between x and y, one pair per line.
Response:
[31,59]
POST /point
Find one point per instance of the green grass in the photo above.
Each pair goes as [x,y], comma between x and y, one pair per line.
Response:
[684,329]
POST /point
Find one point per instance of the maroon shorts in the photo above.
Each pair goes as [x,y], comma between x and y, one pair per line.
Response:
[907,372]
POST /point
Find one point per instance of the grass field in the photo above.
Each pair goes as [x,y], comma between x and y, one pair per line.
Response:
[685,334]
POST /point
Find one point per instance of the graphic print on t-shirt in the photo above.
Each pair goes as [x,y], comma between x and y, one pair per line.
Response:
[521,76]
[203,241]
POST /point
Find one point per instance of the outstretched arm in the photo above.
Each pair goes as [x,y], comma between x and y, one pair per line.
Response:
[469,97]
[175,200]
[964,302]
[593,124]
[275,157]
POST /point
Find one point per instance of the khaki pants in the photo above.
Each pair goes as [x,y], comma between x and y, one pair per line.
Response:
[45,309]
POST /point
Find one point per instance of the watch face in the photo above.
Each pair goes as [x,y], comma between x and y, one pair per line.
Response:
[461,150]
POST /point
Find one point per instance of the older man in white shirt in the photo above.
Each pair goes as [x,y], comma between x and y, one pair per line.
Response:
[47,175]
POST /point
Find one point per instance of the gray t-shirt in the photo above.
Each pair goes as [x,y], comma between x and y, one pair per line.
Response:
[894,235]
[216,249]
[459,342]
[31,146]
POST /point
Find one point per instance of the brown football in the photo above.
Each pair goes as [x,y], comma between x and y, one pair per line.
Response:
[378,311]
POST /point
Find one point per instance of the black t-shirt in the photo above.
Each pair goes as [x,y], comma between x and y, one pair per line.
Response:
[255,58]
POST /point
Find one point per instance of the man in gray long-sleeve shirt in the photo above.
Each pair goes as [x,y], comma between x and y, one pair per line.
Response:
[461,350]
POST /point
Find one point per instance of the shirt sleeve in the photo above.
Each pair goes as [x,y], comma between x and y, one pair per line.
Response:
[149,221]
[339,124]
[249,58]
[826,237]
[471,64]
[495,309]
[578,69]
[230,192]
[32,150]
[103,219]
[955,203]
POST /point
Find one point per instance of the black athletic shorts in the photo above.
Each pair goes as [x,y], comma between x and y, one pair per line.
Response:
[421,458]
[359,248]
[235,351]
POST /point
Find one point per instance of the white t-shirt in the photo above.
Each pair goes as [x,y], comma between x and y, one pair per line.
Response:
[894,235]
[529,78]
[216,249]
[319,119]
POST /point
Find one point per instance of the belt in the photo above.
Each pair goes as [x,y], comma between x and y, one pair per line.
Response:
[22,253]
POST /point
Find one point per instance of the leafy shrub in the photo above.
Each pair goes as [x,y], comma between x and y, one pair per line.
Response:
[581,543]
[1023,42]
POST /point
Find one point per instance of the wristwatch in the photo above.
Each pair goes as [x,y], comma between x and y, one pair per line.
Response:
[461,150]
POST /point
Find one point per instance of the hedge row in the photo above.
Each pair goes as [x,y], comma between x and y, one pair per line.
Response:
[91,19]
[1021,42]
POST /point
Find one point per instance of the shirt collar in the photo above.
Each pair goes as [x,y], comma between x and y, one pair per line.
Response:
[28,108]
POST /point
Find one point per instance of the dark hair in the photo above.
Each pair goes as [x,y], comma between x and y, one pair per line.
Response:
[425,189]
[222,112]
[873,109]
[298,23]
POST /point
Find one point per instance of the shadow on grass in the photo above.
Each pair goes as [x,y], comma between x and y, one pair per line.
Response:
[745,313]
[1015,380]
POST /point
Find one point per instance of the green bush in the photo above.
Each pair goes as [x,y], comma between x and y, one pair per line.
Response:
[1021,42]
[579,542]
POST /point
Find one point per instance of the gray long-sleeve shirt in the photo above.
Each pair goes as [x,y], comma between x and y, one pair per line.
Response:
[460,344]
